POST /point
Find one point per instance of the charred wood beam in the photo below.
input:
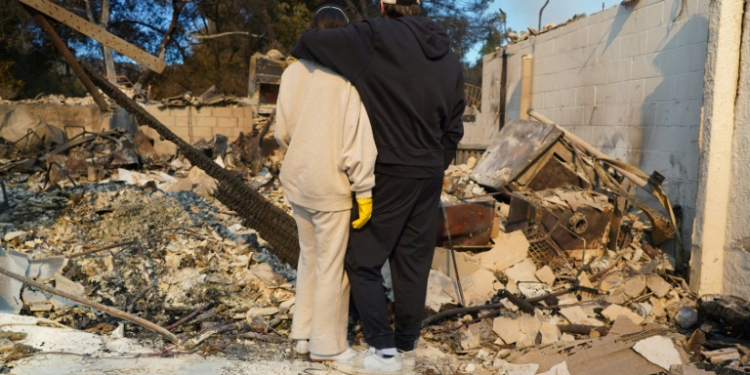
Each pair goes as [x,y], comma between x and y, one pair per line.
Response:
[272,223]
[731,311]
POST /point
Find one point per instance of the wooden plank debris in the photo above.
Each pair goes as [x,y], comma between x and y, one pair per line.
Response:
[87,28]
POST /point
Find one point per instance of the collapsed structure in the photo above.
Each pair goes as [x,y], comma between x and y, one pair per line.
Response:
[549,262]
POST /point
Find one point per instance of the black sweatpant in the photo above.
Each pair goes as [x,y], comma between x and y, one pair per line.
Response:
[402,230]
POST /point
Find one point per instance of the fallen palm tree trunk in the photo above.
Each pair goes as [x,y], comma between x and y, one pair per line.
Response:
[97,306]
[273,224]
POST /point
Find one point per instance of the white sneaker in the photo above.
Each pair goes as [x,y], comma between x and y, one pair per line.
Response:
[303,347]
[369,363]
[408,360]
[343,356]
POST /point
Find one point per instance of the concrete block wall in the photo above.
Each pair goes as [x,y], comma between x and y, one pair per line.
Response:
[478,133]
[628,80]
[193,124]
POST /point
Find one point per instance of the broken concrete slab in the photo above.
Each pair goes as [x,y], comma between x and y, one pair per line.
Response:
[470,341]
[615,311]
[507,368]
[509,250]
[660,351]
[623,325]
[523,271]
[443,261]
[479,287]
[576,315]
[559,369]
[441,290]
[657,285]
[635,286]
[550,333]
[546,275]
[508,329]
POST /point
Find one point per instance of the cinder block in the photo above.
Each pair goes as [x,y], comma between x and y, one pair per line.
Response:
[586,96]
[636,119]
[650,17]
[610,52]
[228,122]
[660,89]
[584,132]
[689,86]
[632,91]
[552,99]
[545,50]
[155,110]
[231,133]
[685,113]
[684,61]
[182,112]
[623,70]
[645,66]
[206,122]
[222,111]
[166,120]
[568,97]
[594,116]
[579,38]
[203,112]
[607,94]
[572,116]
[181,121]
[562,44]
[610,137]
[659,39]
[672,139]
[617,115]
[203,132]
[183,133]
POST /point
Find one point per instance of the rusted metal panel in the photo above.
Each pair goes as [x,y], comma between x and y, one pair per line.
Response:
[470,224]
[556,228]
[517,146]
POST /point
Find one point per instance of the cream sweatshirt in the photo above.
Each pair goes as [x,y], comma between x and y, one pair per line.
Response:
[330,149]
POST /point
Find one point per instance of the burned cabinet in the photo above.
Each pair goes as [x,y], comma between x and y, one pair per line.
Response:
[469,223]
[561,223]
[265,80]
[529,155]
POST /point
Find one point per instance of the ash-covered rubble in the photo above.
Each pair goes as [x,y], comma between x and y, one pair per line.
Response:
[572,281]
[561,267]
[174,253]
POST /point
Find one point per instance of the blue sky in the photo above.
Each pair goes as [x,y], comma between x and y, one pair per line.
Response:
[524,13]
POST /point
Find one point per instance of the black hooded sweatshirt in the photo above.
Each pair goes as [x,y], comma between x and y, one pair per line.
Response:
[411,85]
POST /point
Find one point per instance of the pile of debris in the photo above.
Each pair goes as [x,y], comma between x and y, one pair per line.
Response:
[175,259]
[559,277]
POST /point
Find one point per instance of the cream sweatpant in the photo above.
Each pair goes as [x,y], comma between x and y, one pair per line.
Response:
[321,307]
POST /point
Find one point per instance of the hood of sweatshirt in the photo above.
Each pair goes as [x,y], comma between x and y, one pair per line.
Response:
[433,39]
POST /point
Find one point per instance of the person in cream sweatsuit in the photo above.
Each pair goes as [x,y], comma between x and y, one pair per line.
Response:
[330,156]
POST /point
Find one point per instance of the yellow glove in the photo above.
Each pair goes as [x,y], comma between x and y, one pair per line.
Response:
[365,213]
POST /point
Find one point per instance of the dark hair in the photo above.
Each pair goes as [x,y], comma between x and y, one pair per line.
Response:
[329,17]
[396,11]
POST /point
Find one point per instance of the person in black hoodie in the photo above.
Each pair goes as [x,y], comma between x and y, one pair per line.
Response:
[411,84]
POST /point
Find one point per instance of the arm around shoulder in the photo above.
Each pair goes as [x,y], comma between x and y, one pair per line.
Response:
[347,50]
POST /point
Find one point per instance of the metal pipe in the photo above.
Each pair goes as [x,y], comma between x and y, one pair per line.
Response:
[44,24]
[541,11]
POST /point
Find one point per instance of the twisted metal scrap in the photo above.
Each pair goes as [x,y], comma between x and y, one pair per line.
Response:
[273,224]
